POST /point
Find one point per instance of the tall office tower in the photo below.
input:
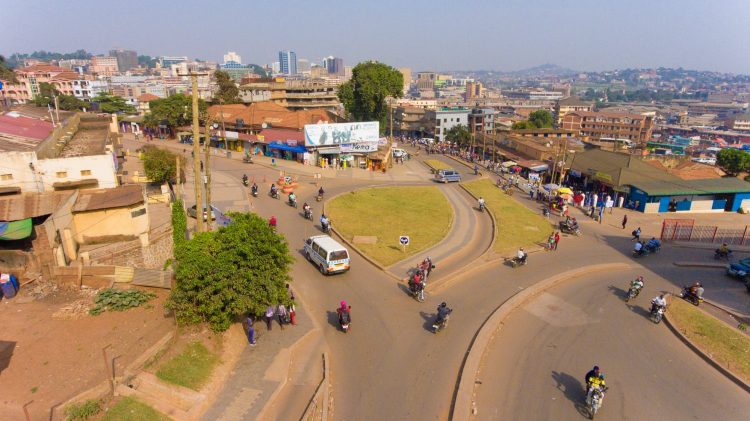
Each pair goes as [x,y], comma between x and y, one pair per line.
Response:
[288,62]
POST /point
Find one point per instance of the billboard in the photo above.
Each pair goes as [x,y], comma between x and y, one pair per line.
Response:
[361,147]
[341,133]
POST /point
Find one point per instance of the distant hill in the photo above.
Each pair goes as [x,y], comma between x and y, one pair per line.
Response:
[544,70]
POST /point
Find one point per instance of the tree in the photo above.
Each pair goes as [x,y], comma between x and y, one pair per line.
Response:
[176,110]
[733,161]
[6,73]
[364,95]
[241,268]
[71,103]
[228,91]
[541,119]
[160,165]
[112,104]
[459,134]
[523,125]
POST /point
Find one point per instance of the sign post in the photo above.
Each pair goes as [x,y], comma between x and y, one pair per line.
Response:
[404,240]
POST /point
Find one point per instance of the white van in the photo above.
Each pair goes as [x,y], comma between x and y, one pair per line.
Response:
[398,153]
[327,254]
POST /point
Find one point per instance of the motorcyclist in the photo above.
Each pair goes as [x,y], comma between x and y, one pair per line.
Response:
[594,378]
[427,266]
[443,313]
[320,191]
[723,251]
[306,209]
[344,310]
[658,301]
[696,290]
[573,223]
[254,189]
[653,244]
[481,203]
[273,190]
[292,198]
[476,169]
[637,283]
[521,256]
[638,248]
[244,179]
[324,222]
[416,282]
[272,222]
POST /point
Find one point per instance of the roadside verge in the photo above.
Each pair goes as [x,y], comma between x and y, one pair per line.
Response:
[465,394]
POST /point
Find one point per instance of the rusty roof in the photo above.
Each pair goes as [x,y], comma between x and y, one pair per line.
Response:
[31,205]
[118,197]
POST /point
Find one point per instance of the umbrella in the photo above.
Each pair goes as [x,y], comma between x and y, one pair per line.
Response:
[566,196]
[551,187]
[564,190]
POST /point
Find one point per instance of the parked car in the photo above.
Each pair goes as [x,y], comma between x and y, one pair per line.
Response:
[739,269]
[192,213]
[446,176]
[398,153]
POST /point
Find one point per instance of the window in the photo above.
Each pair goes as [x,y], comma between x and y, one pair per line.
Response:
[85,172]
[61,174]
[5,177]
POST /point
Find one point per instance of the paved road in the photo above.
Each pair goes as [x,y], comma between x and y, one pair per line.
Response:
[535,365]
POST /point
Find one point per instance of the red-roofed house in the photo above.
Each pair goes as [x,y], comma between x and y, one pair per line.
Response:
[29,79]
[143,102]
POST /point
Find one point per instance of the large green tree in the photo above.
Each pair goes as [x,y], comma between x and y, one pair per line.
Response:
[459,134]
[364,95]
[46,96]
[160,165]
[228,92]
[241,268]
[112,104]
[733,161]
[541,119]
[176,110]
[6,73]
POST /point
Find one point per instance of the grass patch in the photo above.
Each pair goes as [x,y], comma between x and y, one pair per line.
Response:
[191,368]
[517,226]
[422,213]
[83,411]
[726,345]
[437,165]
[129,409]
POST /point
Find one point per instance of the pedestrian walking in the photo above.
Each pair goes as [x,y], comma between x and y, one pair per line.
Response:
[250,330]
[293,313]
[282,313]
[531,194]
[624,221]
[269,317]
[557,240]
[551,241]
[636,234]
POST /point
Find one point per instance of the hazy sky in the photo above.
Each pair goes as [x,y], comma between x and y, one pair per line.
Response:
[421,34]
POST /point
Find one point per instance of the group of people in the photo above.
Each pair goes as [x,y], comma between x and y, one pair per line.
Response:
[292,198]
[650,246]
[417,281]
[281,313]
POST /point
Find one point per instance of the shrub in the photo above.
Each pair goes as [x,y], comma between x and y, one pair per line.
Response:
[83,411]
[119,300]
[179,223]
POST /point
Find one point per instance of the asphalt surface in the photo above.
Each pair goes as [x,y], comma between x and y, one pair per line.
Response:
[390,366]
[534,368]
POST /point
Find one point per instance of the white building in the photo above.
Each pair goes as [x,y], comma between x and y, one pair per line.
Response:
[24,171]
[87,89]
[446,118]
[231,56]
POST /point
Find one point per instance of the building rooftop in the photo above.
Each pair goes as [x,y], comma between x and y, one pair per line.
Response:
[118,197]
[687,187]
[573,101]
[19,134]
[606,114]
[31,205]
[147,98]
[270,114]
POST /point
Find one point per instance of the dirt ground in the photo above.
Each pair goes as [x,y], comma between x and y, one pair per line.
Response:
[51,349]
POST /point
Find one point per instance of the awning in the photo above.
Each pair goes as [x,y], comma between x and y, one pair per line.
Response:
[534,165]
[15,230]
[283,147]
[76,183]
[329,151]
[9,190]
[551,187]
[507,164]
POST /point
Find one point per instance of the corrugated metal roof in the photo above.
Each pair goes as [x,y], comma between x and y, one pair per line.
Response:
[31,205]
[685,187]
[118,197]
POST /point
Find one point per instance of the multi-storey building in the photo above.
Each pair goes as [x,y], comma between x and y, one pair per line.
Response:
[30,78]
[570,104]
[167,61]
[482,120]
[293,94]
[126,59]
[231,56]
[426,80]
[739,122]
[406,73]
[443,119]
[288,62]
[334,65]
[87,89]
[614,126]
[722,110]
[104,66]
[474,90]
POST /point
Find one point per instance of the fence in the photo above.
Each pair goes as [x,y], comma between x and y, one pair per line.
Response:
[108,276]
[686,230]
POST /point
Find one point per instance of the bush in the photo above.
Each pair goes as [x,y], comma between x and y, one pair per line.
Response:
[161,165]
[179,223]
[83,411]
[241,268]
[119,300]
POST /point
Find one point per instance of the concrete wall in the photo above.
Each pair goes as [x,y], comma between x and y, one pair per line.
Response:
[102,168]
[16,166]
[104,223]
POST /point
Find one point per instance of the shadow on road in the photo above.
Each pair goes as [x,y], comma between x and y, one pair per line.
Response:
[333,319]
[428,319]
[572,389]
[619,292]
[640,311]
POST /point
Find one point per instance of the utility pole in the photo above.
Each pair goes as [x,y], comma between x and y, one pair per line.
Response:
[223,129]
[208,174]
[197,156]
[178,177]
[390,107]
[57,110]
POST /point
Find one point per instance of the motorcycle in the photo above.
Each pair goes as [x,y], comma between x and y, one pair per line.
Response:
[344,320]
[569,229]
[308,214]
[516,262]
[481,207]
[644,252]
[439,325]
[274,194]
[545,212]
[326,227]
[690,297]
[319,198]
[596,401]
[417,290]
[657,313]
[651,248]
[292,202]
[247,159]
[244,182]
[632,293]
[718,255]
[255,192]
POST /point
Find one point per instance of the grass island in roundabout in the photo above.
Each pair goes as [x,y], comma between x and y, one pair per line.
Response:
[380,215]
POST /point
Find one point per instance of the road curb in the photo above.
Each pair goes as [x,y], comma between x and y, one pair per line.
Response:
[492,217]
[463,400]
[705,357]
[701,265]
[707,246]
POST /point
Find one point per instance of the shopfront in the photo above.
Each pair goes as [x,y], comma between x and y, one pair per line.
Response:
[287,152]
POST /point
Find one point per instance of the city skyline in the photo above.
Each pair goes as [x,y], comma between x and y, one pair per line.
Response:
[585,36]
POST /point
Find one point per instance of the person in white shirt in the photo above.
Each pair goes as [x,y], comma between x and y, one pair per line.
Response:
[658,301]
